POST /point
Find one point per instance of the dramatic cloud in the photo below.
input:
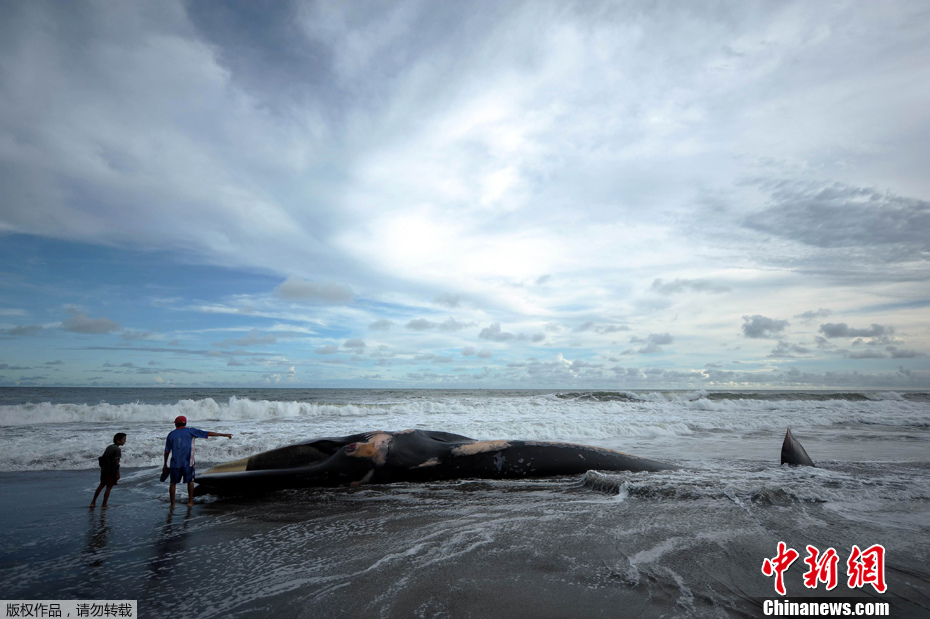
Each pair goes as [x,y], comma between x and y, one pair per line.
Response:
[834,330]
[298,290]
[298,181]
[762,327]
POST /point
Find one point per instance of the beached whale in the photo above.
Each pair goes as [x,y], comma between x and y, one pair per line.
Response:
[411,455]
[423,456]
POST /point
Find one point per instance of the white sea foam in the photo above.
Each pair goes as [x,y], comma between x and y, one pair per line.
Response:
[70,436]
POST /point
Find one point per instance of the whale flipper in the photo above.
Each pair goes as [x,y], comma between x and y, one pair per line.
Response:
[793,453]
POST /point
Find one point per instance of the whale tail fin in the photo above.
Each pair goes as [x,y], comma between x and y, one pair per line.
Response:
[792,452]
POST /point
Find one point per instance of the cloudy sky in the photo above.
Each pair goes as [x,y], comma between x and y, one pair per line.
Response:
[537,194]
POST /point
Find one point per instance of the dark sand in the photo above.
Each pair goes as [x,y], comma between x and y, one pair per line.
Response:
[545,548]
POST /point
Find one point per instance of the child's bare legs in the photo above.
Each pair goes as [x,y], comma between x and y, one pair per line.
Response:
[106,495]
[93,502]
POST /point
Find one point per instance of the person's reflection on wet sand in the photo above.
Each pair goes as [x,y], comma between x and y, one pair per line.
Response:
[170,539]
[98,535]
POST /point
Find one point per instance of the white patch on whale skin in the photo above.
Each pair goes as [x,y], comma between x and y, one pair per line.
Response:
[377,447]
[479,447]
[430,462]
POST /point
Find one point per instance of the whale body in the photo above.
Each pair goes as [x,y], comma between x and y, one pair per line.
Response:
[412,456]
[424,456]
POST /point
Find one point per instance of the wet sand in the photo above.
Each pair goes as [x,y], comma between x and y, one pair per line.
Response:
[544,548]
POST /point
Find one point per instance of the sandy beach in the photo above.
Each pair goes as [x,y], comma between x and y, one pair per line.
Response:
[543,548]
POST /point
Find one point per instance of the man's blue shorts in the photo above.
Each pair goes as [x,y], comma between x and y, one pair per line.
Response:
[187,472]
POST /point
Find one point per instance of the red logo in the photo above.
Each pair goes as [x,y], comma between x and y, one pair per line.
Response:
[863,567]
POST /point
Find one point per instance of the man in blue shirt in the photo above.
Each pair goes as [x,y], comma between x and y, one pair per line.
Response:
[180,444]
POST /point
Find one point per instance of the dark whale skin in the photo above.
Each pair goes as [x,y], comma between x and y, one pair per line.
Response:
[410,456]
[792,452]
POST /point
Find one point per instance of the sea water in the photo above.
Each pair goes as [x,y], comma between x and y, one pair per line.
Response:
[688,542]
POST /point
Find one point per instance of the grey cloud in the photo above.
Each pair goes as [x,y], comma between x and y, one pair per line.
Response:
[136,335]
[823,343]
[897,353]
[58,362]
[449,300]
[848,233]
[762,327]
[254,338]
[834,330]
[484,354]
[22,330]
[787,350]
[421,324]
[843,216]
[449,325]
[82,323]
[381,325]
[660,339]
[493,332]
[294,289]
[654,343]
[327,350]
[7,366]
[681,285]
[356,343]
[814,315]
[235,363]
[864,354]
[468,351]
[611,328]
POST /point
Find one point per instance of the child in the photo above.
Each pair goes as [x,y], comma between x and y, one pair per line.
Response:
[109,468]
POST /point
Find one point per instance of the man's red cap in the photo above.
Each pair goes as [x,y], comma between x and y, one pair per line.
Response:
[180,419]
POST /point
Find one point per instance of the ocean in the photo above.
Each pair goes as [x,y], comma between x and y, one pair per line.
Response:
[687,542]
